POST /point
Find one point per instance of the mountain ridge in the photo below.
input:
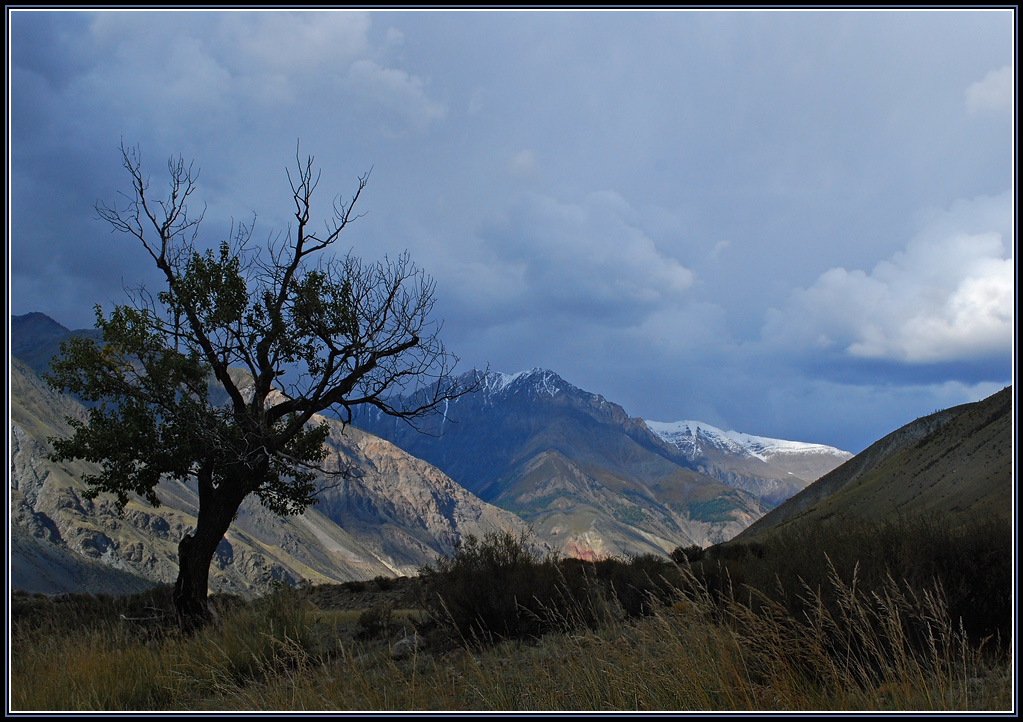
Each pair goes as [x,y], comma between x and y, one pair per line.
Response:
[774,469]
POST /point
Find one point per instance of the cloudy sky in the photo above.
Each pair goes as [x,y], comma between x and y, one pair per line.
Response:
[791,224]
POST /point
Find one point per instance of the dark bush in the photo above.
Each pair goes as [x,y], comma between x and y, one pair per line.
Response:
[497,588]
[376,621]
[691,553]
[640,583]
[737,551]
[494,588]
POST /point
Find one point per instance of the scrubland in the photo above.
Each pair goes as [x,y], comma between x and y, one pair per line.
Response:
[912,615]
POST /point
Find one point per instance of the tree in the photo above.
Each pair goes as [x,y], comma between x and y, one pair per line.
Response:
[219,375]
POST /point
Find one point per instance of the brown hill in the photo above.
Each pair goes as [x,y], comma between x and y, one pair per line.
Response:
[956,461]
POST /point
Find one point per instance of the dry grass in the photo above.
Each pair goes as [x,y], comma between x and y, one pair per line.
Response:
[879,651]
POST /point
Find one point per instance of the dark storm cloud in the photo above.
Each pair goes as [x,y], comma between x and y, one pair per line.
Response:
[747,218]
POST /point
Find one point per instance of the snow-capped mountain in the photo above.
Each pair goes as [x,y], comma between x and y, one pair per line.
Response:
[590,479]
[772,468]
[693,436]
[537,380]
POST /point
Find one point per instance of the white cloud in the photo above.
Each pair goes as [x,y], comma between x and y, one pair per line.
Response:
[266,42]
[589,253]
[993,93]
[971,318]
[947,297]
[197,69]
[551,259]
[397,91]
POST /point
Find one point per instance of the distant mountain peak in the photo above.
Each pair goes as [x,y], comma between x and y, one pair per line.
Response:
[693,437]
[37,325]
[539,380]
[35,338]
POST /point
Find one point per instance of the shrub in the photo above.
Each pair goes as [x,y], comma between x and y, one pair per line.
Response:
[376,621]
[691,553]
[491,588]
[356,585]
[640,583]
[497,588]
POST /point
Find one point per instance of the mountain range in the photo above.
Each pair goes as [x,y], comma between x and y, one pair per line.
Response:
[527,453]
[391,517]
[772,469]
[592,480]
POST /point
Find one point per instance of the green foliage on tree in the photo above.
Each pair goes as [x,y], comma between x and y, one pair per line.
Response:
[220,374]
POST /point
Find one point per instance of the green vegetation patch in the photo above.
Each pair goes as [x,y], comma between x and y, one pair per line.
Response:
[719,509]
[632,515]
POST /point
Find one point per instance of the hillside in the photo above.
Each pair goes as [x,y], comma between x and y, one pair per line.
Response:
[957,461]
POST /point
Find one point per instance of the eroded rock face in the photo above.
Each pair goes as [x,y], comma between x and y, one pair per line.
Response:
[407,511]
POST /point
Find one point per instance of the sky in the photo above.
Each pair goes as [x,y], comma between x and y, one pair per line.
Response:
[793,224]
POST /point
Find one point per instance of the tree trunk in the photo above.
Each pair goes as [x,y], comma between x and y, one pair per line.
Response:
[195,554]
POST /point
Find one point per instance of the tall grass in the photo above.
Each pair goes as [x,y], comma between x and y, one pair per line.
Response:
[702,653]
[971,560]
[639,634]
[68,655]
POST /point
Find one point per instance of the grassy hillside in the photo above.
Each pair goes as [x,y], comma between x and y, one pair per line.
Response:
[957,461]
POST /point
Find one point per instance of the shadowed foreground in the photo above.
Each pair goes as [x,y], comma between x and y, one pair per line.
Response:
[384,645]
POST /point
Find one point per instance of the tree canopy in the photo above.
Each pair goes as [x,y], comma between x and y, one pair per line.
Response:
[220,373]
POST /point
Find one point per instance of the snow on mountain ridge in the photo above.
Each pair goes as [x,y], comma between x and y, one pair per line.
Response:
[540,379]
[690,436]
[772,447]
[687,434]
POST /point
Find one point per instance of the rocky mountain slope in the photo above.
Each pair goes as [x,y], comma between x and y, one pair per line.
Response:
[591,479]
[956,461]
[394,515]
